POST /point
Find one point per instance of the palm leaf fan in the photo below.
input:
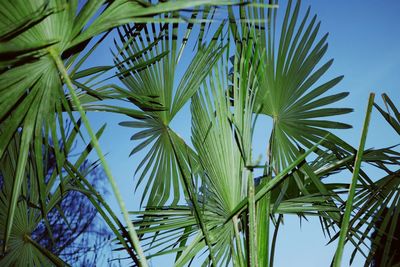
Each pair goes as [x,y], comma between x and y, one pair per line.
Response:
[147,62]
[290,89]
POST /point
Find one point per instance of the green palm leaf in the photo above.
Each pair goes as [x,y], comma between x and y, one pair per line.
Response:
[289,90]
[147,64]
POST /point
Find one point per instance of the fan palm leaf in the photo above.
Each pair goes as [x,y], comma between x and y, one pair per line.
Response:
[289,90]
[147,64]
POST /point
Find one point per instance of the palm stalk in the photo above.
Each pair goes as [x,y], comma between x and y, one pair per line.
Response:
[263,224]
[253,261]
[82,182]
[344,228]
[132,233]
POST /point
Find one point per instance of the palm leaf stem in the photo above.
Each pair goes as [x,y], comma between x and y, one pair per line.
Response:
[349,203]
[274,239]
[263,222]
[252,222]
[132,233]
[92,196]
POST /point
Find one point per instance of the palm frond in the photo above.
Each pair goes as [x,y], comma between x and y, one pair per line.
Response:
[289,90]
[147,63]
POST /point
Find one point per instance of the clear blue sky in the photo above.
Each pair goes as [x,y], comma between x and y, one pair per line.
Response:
[364,40]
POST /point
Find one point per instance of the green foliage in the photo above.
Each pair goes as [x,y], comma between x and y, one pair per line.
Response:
[208,195]
[42,193]
[147,64]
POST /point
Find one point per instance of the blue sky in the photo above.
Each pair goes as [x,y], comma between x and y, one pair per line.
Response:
[364,40]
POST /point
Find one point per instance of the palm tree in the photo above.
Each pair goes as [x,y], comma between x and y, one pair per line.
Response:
[41,50]
[229,208]
[208,195]
[218,174]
